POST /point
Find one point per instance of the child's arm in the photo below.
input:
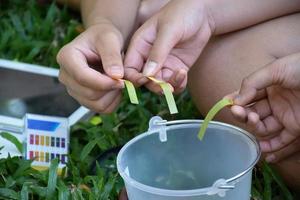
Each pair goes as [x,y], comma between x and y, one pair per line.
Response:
[122,13]
[232,15]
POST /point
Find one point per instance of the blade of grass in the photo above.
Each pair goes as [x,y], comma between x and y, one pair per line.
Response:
[285,191]
[8,193]
[267,195]
[87,149]
[63,191]
[24,192]
[52,179]
[13,140]
[255,194]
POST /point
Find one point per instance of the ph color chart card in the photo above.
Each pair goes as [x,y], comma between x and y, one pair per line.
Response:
[46,138]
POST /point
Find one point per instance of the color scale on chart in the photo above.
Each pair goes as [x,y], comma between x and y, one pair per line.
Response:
[47,138]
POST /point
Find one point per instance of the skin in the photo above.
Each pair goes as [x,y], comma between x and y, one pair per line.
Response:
[167,40]
[233,76]
[169,43]
[230,58]
[91,66]
[274,95]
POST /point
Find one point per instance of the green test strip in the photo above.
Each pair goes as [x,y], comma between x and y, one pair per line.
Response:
[131,92]
[167,89]
[213,111]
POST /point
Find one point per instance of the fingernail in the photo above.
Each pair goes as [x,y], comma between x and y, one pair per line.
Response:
[150,68]
[270,158]
[119,85]
[116,71]
[179,77]
[236,99]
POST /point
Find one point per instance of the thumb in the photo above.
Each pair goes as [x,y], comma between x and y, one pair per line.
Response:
[166,39]
[271,74]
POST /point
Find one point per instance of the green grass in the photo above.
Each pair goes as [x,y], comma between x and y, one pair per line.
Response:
[34,33]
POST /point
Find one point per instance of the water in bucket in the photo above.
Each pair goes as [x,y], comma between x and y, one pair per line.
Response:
[169,162]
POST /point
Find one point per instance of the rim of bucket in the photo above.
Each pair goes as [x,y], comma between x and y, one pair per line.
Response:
[193,192]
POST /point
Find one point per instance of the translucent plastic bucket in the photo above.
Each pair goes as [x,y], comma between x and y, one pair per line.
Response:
[169,162]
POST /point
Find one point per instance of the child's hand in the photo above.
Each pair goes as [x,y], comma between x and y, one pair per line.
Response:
[148,8]
[273,114]
[168,44]
[90,65]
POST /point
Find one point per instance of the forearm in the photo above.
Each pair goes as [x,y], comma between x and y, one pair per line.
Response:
[122,13]
[232,15]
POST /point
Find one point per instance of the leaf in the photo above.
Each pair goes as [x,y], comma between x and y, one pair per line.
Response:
[285,191]
[39,191]
[52,179]
[267,195]
[13,140]
[8,193]
[255,194]
[87,149]
[23,166]
[63,191]
[24,192]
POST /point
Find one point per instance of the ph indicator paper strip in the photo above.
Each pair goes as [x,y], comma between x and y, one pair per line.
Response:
[213,111]
[167,89]
[131,92]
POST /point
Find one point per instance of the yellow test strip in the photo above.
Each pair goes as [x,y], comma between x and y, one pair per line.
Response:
[167,89]
[131,92]
[213,111]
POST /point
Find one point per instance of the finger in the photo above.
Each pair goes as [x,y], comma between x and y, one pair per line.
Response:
[239,113]
[232,95]
[182,87]
[284,152]
[262,108]
[77,88]
[166,39]
[272,124]
[179,81]
[155,87]
[99,105]
[109,48]
[261,94]
[140,45]
[278,142]
[261,79]
[256,126]
[138,51]
[263,128]
[113,104]
[135,77]
[75,64]
[167,75]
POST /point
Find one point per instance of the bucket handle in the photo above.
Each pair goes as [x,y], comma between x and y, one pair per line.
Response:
[156,123]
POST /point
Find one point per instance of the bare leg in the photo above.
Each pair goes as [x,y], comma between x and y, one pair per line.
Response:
[229,58]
